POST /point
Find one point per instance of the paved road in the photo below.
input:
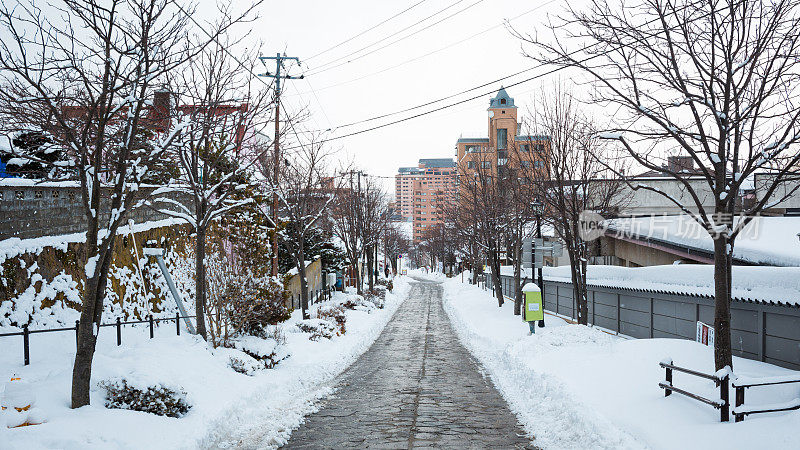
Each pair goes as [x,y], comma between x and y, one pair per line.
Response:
[417,386]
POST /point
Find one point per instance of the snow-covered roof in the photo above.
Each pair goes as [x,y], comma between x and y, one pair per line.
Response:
[765,240]
[779,285]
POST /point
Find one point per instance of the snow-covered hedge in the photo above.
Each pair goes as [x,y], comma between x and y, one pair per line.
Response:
[158,399]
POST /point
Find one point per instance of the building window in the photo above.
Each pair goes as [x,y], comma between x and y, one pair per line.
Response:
[473,148]
[502,138]
[538,147]
[470,164]
[502,101]
[487,164]
[524,148]
[538,164]
[525,163]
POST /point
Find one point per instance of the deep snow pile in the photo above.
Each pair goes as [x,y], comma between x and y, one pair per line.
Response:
[228,408]
[573,386]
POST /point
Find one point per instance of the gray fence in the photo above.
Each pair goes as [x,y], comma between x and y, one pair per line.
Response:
[52,209]
[760,331]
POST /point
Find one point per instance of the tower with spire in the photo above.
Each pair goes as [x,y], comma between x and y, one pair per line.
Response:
[502,121]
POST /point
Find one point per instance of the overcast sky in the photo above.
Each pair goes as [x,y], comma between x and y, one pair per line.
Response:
[354,90]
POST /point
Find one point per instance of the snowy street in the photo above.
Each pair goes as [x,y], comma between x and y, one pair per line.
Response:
[416,387]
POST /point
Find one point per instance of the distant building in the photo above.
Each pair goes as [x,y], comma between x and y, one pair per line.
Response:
[421,191]
[504,150]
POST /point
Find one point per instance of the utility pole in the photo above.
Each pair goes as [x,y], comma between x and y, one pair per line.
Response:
[279,59]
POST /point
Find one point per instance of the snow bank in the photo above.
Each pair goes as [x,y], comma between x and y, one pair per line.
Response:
[573,386]
[767,284]
[229,408]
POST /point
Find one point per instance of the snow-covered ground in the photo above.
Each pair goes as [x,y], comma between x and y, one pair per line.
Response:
[228,408]
[573,386]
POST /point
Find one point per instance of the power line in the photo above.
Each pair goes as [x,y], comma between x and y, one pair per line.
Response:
[434,51]
[323,68]
[549,72]
[367,30]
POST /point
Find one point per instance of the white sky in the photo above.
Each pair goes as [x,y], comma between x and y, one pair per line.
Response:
[303,28]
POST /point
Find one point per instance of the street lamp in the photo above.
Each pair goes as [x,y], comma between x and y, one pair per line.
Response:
[538,210]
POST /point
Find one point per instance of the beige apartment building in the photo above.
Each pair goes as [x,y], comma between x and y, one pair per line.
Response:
[504,151]
[420,191]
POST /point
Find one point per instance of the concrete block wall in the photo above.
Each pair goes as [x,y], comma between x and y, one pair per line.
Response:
[52,209]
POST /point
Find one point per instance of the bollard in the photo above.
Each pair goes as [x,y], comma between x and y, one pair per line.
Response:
[739,402]
[150,320]
[119,332]
[178,322]
[26,351]
[723,395]
[667,392]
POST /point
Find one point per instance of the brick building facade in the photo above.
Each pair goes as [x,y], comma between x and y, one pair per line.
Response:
[504,147]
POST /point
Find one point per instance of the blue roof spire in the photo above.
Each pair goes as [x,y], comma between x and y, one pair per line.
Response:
[501,100]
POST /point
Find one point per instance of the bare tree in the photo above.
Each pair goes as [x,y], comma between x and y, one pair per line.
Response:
[481,207]
[217,149]
[570,181]
[306,192]
[359,217]
[395,244]
[714,81]
[86,80]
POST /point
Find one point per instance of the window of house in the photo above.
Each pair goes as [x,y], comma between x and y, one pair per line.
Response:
[486,164]
[538,164]
[525,163]
[524,148]
[538,147]
[470,164]
[502,101]
[502,138]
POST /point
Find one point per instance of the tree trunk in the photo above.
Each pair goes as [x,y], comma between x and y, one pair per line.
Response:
[200,281]
[517,280]
[722,302]
[82,369]
[370,272]
[498,288]
[301,271]
[583,305]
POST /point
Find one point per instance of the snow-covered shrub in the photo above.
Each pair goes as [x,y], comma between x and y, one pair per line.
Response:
[317,328]
[388,284]
[266,352]
[252,305]
[159,399]
[358,303]
[376,296]
[244,364]
[334,314]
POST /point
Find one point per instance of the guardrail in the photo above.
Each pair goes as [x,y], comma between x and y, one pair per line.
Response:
[740,384]
[723,404]
[151,321]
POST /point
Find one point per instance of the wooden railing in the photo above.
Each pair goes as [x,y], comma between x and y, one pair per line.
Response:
[723,404]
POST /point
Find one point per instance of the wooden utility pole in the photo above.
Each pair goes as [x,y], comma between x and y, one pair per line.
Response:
[279,59]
